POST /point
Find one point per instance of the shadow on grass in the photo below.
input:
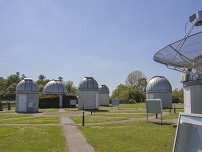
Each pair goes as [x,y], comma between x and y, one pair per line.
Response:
[97,110]
[162,124]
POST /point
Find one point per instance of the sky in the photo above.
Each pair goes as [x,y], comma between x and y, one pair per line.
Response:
[104,39]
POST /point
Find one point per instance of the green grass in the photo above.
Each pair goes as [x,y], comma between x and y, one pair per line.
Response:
[106,117]
[31,139]
[138,136]
[13,118]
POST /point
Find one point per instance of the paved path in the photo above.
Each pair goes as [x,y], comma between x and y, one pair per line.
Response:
[76,141]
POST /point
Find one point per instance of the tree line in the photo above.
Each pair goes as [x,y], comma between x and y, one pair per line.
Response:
[134,89]
[8,85]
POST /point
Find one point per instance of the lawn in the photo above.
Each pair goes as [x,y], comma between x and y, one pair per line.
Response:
[133,136]
[137,136]
[31,139]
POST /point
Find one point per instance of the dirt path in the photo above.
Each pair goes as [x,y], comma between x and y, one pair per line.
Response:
[76,141]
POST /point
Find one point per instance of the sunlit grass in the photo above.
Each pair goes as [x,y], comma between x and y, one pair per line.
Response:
[31,139]
[138,136]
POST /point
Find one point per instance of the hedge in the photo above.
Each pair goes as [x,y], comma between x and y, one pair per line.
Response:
[52,101]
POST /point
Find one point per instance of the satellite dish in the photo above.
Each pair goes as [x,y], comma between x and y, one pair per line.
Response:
[184,55]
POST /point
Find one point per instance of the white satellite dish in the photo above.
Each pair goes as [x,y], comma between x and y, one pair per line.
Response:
[184,55]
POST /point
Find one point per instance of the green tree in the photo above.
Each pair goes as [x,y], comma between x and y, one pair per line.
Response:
[41,77]
[12,79]
[178,96]
[70,87]
[41,83]
[142,84]
[2,87]
[127,94]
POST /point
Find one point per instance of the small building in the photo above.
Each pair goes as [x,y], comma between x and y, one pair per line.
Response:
[160,88]
[27,96]
[55,87]
[103,95]
[88,94]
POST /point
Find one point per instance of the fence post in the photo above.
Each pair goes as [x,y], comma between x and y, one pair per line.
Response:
[83,119]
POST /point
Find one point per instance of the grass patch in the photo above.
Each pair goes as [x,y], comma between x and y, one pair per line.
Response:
[32,139]
[48,110]
[13,118]
[139,136]
[107,117]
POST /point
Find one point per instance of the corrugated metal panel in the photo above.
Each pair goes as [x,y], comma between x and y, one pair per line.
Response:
[27,85]
[88,83]
[54,87]
[158,84]
[103,89]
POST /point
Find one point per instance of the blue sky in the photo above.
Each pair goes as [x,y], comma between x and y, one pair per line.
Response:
[105,39]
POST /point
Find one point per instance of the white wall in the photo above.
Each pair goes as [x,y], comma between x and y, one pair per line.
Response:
[164,96]
[86,99]
[104,99]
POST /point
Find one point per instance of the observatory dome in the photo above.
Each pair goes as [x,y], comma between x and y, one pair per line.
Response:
[158,84]
[88,83]
[103,89]
[54,87]
[27,85]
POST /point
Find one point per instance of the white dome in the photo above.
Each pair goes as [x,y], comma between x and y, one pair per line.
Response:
[54,87]
[158,84]
[103,89]
[88,83]
[27,85]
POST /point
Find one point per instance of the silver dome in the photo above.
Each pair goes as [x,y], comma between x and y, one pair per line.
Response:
[103,89]
[88,83]
[27,85]
[158,84]
[54,87]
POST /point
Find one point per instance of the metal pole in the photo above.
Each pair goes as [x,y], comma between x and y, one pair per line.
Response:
[83,119]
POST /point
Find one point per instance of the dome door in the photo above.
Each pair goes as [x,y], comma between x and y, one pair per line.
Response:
[22,103]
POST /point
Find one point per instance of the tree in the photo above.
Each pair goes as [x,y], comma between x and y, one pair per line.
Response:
[142,84]
[60,78]
[178,96]
[23,76]
[127,94]
[70,87]
[2,87]
[133,78]
[41,84]
[12,79]
[41,77]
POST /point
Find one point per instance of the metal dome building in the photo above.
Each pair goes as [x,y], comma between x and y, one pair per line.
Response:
[160,88]
[55,87]
[27,96]
[103,95]
[88,95]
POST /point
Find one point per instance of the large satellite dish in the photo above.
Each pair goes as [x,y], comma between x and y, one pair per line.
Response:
[184,55]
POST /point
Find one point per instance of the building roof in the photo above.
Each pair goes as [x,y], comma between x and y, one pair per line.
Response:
[54,87]
[158,84]
[103,89]
[27,85]
[88,83]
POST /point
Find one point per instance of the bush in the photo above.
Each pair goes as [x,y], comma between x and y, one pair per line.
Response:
[52,101]
[49,101]
[66,100]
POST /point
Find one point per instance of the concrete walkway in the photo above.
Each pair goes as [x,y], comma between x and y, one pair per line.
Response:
[76,141]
